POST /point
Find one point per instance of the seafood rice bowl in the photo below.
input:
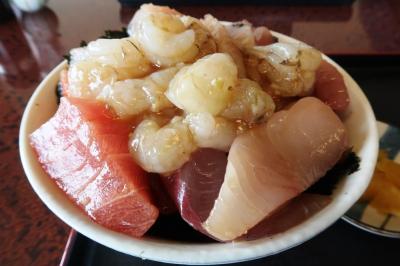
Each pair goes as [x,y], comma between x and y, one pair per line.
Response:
[198,141]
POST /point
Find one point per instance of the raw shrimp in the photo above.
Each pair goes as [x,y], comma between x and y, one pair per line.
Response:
[102,63]
[134,96]
[161,149]
[167,37]
[224,42]
[263,36]
[245,36]
[249,103]
[121,54]
[211,132]
[126,97]
[155,86]
[86,79]
[290,68]
[241,33]
[205,86]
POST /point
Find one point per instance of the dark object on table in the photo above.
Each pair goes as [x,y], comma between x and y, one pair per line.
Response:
[242,2]
[6,12]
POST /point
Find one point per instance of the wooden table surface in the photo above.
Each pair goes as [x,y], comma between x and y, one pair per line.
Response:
[31,44]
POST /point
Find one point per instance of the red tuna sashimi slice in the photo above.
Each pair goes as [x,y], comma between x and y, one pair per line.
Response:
[84,149]
[295,212]
[165,203]
[195,186]
[273,163]
[330,88]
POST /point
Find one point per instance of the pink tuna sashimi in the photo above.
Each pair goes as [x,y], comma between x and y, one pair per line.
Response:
[84,149]
[273,163]
[330,88]
[195,186]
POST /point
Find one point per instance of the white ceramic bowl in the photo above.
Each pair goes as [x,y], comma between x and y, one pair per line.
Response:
[363,136]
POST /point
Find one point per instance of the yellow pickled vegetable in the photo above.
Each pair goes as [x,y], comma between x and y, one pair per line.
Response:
[383,192]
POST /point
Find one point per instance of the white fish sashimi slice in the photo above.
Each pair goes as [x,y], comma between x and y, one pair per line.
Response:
[252,188]
[310,136]
[263,174]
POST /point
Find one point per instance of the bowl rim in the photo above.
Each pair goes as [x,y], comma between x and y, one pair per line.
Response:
[200,254]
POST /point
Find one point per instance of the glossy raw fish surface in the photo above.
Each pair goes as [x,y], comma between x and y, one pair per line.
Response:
[309,136]
[330,88]
[195,186]
[295,212]
[273,163]
[84,149]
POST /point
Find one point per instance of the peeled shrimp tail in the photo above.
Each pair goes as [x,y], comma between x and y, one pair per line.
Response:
[135,96]
[211,132]
[250,103]
[102,63]
[166,37]
[241,33]
[161,149]
[290,68]
[205,86]
[224,42]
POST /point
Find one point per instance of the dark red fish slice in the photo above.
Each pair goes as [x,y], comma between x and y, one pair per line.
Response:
[196,185]
[293,213]
[330,88]
[161,196]
[84,149]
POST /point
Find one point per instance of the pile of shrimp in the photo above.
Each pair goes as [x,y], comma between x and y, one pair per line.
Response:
[193,82]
